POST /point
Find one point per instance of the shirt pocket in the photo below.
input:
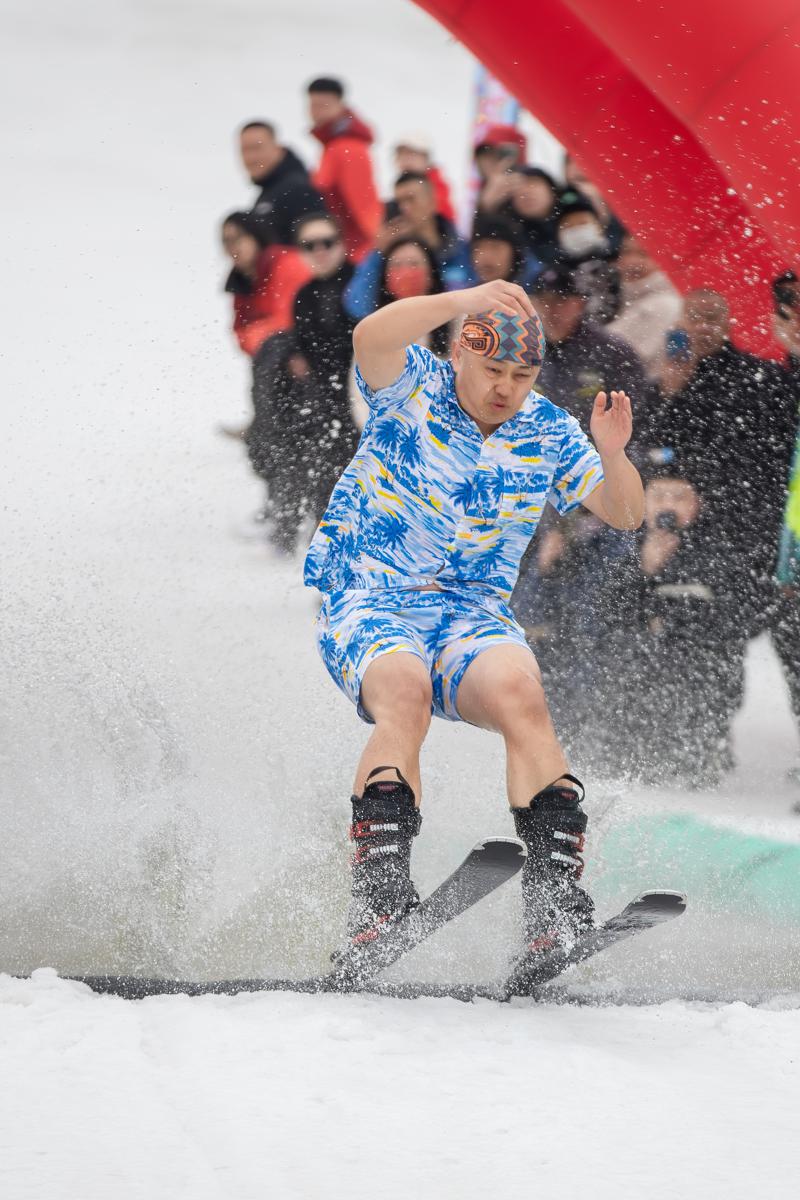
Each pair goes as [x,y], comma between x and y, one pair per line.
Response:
[522,499]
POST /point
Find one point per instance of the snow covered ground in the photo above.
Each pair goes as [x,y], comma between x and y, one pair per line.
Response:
[175,765]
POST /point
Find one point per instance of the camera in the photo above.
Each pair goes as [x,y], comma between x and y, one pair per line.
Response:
[677,345]
[668,520]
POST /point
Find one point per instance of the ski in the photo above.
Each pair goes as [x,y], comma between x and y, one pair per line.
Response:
[537,967]
[486,867]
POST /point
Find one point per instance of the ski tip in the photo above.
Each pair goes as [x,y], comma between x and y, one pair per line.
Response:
[661,901]
[499,849]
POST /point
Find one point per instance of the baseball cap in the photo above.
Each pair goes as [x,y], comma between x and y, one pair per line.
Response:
[503,135]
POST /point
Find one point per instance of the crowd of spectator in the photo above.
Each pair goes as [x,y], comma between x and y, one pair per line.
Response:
[641,637]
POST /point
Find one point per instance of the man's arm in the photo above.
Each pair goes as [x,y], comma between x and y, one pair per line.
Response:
[619,499]
[380,340]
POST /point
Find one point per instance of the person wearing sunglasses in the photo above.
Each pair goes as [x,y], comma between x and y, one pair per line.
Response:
[324,351]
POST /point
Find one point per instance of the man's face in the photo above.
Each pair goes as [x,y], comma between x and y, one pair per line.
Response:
[489,390]
[561,315]
[532,197]
[634,262]
[260,152]
[321,247]
[707,322]
[494,160]
[492,259]
[324,107]
[416,202]
[676,496]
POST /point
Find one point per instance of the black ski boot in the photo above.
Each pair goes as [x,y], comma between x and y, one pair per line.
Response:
[384,822]
[556,910]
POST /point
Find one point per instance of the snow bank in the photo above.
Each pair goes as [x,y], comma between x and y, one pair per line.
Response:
[352,1098]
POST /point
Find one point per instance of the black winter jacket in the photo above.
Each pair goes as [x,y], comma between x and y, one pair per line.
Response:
[286,195]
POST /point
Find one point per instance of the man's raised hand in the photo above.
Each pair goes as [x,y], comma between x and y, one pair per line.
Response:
[612,423]
[498,296]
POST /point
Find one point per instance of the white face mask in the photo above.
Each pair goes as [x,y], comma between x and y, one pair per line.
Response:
[581,239]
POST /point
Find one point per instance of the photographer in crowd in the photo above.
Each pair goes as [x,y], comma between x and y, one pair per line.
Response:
[683,684]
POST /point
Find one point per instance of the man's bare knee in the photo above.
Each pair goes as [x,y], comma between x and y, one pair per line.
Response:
[399,693]
[519,702]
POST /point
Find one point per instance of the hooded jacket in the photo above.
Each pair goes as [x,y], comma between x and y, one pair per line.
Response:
[286,195]
[345,179]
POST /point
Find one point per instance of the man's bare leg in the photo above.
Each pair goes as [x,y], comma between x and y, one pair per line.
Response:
[502,691]
[396,692]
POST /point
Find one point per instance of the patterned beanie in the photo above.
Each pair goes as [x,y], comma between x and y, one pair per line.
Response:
[504,337]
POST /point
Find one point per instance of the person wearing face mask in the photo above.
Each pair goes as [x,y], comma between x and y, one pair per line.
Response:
[411,215]
[583,248]
[579,185]
[407,267]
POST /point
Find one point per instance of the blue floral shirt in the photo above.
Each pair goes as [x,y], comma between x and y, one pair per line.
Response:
[427,497]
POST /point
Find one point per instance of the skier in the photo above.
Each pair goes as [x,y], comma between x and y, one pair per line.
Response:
[417,555]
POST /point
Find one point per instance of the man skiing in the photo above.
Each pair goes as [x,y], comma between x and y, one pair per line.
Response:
[417,555]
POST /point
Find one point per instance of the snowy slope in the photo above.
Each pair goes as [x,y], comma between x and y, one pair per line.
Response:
[353,1098]
[175,765]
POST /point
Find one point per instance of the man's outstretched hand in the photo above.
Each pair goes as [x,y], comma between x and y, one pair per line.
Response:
[612,423]
[498,296]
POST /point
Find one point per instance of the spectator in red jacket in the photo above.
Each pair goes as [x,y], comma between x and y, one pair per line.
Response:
[412,156]
[263,282]
[345,175]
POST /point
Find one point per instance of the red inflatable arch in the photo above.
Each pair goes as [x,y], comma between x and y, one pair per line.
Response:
[665,185]
[733,78]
